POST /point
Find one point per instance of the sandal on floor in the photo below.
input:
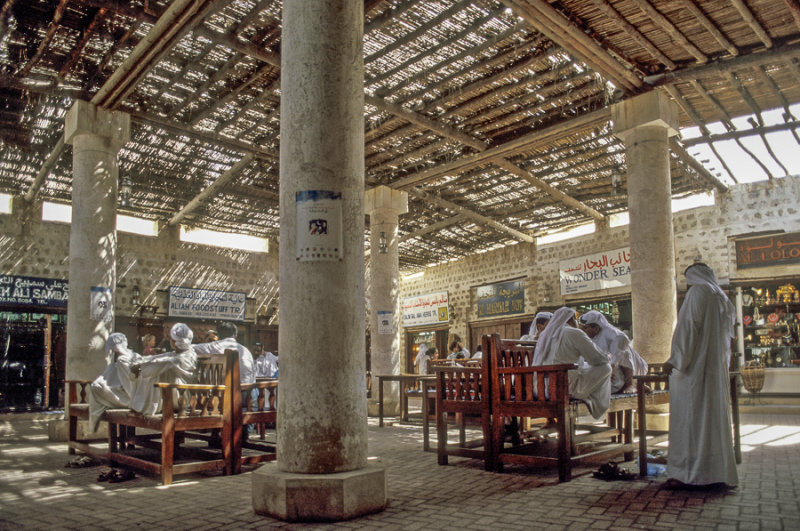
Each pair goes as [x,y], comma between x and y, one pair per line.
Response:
[611,472]
[81,462]
[105,476]
[121,475]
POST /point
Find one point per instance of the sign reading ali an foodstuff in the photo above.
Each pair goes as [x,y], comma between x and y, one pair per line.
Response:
[206,304]
[425,309]
[609,269]
[778,249]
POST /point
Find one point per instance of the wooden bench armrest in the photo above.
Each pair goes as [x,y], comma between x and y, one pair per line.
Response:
[271,384]
[78,381]
[190,387]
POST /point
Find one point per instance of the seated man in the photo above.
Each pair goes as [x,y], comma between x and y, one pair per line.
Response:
[563,342]
[113,388]
[625,362]
[228,333]
[178,366]
[266,367]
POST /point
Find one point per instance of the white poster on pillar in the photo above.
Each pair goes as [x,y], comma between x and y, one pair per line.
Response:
[100,304]
[385,322]
[319,226]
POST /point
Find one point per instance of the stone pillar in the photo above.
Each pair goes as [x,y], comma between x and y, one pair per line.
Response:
[96,136]
[645,124]
[384,206]
[321,473]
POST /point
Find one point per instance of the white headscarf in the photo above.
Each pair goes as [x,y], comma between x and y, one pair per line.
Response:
[702,274]
[552,334]
[533,331]
[182,335]
[423,348]
[116,343]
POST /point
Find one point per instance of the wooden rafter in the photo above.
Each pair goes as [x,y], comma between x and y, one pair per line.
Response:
[794,9]
[711,27]
[45,42]
[751,21]
[671,30]
[433,227]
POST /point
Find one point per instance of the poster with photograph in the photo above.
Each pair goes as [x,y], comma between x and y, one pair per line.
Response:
[100,304]
[385,322]
[319,226]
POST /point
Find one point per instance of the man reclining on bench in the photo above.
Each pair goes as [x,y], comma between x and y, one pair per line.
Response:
[563,342]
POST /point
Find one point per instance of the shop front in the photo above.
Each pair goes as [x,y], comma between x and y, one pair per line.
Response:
[33,324]
[426,320]
[767,296]
[602,282]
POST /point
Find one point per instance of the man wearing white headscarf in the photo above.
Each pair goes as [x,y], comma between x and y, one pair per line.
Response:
[537,325]
[700,438]
[422,359]
[563,342]
[625,362]
[228,333]
[113,388]
[177,367]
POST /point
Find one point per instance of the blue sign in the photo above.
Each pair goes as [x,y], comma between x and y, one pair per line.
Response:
[33,291]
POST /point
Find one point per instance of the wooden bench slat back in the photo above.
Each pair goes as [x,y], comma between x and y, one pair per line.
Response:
[213,378]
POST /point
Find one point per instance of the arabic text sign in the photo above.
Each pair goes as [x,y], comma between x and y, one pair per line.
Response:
[503,298]
[206,304]
[425,309]
[609,269]
[768,251]
[33,291]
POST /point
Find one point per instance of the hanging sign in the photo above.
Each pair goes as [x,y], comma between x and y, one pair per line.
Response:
[100,304]
[502,298]
[33,291]
[319,226]
[206,304]
[426,309]
[385,319]
[609,269]
[780,249]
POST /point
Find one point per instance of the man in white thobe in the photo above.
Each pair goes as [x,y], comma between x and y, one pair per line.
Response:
[700,437]
[422,359]
[113,388]
[178,366]
[228,333]
[625,362]
[563,342]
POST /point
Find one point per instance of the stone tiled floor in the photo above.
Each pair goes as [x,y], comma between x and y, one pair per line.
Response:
[38,492]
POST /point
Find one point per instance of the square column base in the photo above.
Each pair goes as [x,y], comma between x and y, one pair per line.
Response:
[318,497]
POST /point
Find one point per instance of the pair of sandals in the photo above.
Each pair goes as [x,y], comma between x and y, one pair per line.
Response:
[81,462]
[611,472]
[116,476]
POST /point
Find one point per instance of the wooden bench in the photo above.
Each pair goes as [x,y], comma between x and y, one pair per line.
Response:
[507,387]
[210,410]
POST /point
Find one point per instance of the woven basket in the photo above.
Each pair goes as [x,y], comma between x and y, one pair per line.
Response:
[753,378]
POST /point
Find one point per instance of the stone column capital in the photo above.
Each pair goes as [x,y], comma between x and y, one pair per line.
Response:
[653,108]
[385,198]
[85,118]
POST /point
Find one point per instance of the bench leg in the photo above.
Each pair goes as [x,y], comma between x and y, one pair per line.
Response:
[167,451]
[565,430]
[441,434]
[627,436]
[642,419]
[73,432]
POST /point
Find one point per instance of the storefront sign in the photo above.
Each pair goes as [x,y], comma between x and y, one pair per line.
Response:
[425,309]
[32,291]
[206,304]
[780,249]
[319,226]
[503,298]
[385,319]
[609,269]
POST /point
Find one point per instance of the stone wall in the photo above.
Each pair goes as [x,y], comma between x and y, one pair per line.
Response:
[705,232]
[41,249]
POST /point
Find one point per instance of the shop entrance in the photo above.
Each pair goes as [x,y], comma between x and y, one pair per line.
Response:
[32,360]
[431,337]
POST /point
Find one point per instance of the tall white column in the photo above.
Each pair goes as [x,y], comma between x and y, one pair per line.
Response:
[96,136]
[321,472]
[384,206]
[645,124]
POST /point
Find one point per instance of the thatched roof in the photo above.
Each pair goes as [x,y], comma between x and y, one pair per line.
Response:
[493,115]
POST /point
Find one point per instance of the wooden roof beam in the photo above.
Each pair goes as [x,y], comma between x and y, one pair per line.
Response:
[45,170]
[609,11]
[671,30]
[483,220]
[433,227]
[48,37]
[545,19]
[711,27]
[212,190]
[794,8]
[751,21]
[690,161]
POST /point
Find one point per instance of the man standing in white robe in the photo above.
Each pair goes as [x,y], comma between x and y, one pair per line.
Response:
[172,367]
[625,362]
[114,388]
[563,342]
[700,436]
